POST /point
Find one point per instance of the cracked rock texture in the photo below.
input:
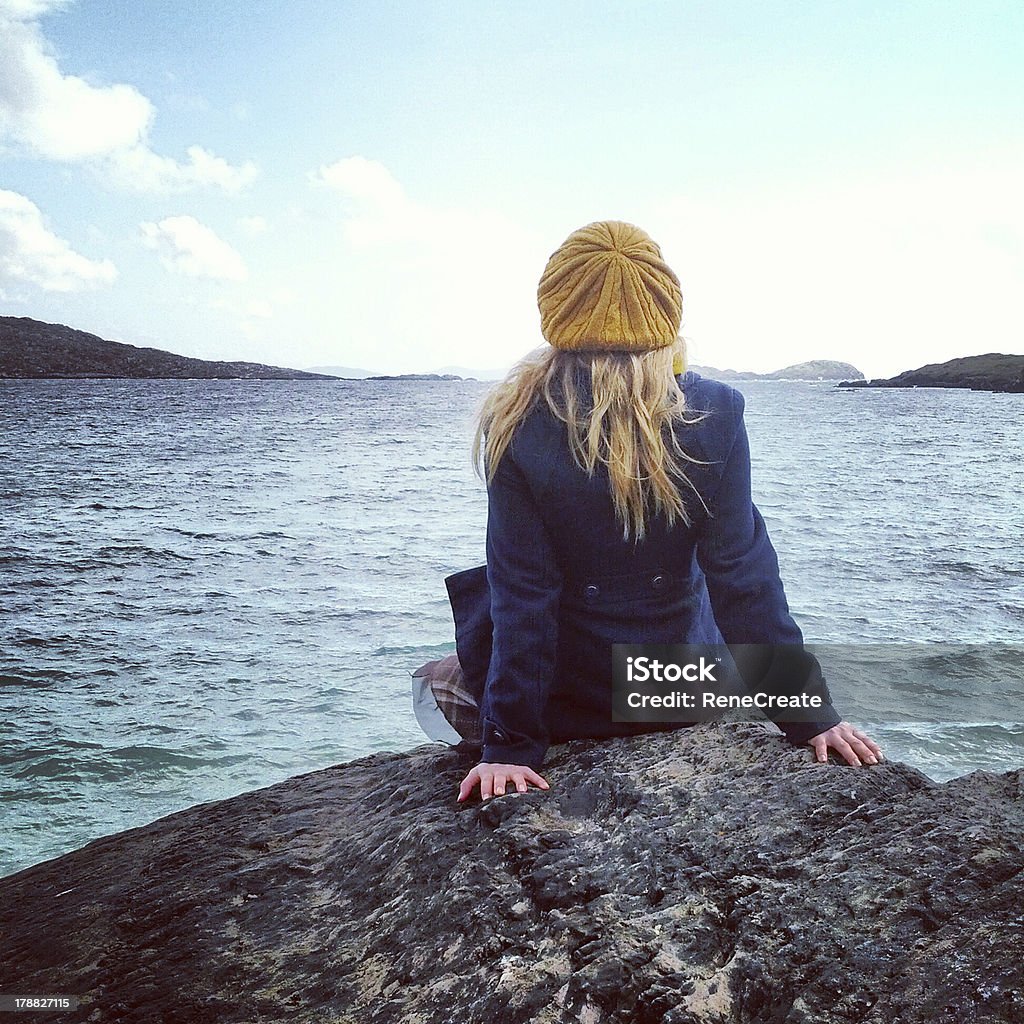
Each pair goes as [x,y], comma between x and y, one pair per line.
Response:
[710,874]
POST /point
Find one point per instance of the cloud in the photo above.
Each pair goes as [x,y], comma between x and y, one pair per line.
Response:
[189,247]
[908,266]
[64,118]
[25,9]
[31,253]
[462,276]
[363,180]
[887,273]
[377,208]
[143,170]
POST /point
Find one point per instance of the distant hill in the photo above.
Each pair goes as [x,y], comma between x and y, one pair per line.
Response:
[466,373]
[442,373]
[415,376]
[994,371]
[33,349]
[814,369]
[346,372]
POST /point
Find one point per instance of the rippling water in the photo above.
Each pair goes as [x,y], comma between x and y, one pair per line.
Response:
[208,586]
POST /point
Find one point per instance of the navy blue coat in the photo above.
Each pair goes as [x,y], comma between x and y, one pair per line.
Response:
[534,630]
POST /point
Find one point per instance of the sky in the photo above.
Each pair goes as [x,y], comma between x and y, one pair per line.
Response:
[379,185]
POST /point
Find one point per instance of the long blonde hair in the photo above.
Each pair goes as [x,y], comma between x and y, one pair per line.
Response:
[620,410]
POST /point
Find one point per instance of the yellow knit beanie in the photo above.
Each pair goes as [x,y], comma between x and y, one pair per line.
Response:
[607,289]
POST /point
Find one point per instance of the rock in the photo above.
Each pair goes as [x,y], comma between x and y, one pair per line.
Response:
[992,372]
[33,349]
[712,874]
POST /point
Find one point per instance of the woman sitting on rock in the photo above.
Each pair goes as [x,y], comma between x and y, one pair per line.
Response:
[619,512]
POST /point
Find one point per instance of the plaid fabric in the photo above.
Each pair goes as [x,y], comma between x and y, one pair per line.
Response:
[457,703]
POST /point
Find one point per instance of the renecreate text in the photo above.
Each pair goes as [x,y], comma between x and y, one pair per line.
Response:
[723,701]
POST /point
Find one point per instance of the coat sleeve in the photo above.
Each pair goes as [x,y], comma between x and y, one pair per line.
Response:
[748,599]
[525,581]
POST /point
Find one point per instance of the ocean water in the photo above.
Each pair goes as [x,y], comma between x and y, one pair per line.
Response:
[209,586]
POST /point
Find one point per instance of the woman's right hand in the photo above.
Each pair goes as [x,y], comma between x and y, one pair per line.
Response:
[492,779]
[856,746]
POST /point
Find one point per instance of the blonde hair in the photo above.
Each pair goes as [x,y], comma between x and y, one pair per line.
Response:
[620,410]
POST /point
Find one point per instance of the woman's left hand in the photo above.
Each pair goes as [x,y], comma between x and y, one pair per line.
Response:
[492,779]
[853,744]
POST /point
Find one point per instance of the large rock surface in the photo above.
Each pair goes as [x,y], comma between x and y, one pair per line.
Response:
[714,874]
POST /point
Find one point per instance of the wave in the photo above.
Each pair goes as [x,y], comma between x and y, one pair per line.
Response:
[948,726]
[122,763]
[118,550]
[423,650]
[38,678]
[195,534]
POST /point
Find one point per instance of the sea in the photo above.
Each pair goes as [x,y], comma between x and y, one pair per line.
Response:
[209,586]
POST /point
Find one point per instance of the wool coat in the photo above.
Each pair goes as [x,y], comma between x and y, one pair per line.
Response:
[536,625]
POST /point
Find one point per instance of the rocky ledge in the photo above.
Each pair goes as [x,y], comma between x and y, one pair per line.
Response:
[32,349]
[994,371]
[714,874]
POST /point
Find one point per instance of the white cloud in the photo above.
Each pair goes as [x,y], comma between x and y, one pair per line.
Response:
[64,118]
[56,116]
[364,180]
[31,253]
[463,278]
[143,170]
[25,9]
[189,247]
[377,206]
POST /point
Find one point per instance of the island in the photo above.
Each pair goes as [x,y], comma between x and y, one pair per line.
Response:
[32,349]
[994,371]
[707,875]
[415,376]
[814,369]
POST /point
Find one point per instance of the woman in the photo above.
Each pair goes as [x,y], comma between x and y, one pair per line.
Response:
[619,511]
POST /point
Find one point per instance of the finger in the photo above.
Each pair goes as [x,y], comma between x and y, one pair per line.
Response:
[872,745]
[537,780]
[486,785]
[520,782]
[468,784]
[864,752]
[499,784]
[846,750]
[820,748]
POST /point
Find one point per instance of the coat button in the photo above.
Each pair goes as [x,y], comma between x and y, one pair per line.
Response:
[658,582]
[592,593]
